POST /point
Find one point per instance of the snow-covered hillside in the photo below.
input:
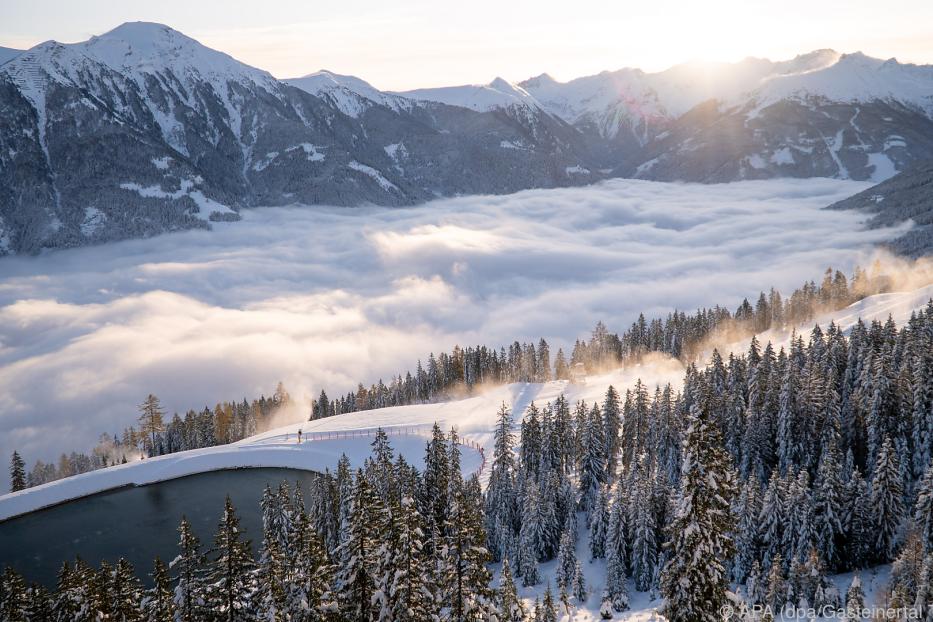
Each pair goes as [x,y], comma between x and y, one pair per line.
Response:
[8,54]
[352,95]
[409,426]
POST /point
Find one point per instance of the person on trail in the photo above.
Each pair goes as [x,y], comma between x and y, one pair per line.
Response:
[299,436]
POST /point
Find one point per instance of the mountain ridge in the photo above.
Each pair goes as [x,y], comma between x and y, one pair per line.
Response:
[143,129]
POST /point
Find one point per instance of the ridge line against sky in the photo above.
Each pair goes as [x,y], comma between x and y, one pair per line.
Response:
[426,44]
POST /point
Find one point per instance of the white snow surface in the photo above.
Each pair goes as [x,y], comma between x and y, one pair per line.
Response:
[351,94]
[480,97]
[373,173]
[8,54]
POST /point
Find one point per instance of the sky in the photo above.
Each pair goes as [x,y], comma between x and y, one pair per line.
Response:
[328,297]
[425,43]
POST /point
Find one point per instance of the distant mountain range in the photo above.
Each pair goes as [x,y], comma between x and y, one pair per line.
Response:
[143,130]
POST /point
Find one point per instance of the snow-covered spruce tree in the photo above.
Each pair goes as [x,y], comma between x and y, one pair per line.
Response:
[231,580]
[747,547]
[887,501]
[500,492]
[124,592]
[566,560]
[644,532]
[548,609]
[906,572]
[755,585]
[695,580]
[548,521]
[599,524]
[771,531]
[38,603]
[409,595]
[272,596]
[188,567]
[357,556]
[616,591]
[776,585]
[861,530]
[17,473]
[923,511]
[511,608]
[434,482]
[530,440]
[855,598]
[579,587]
[798,531]
[466,577]
[310,595]
[158,605]
[13,596]
[70,598]
[592,471]
[381,471]
[612,425]
[616,551]
[829,511]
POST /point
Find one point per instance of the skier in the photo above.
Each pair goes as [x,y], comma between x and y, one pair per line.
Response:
[299,436]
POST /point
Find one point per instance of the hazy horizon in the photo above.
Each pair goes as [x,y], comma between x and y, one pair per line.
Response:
[440,44]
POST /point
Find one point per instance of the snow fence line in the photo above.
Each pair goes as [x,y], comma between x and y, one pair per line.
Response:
[260,453]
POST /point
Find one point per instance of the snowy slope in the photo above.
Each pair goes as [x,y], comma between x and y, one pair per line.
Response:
[854,78]
[896,305]
[633,94]
[482,98]
[7,54]
[279,449]
[351,94]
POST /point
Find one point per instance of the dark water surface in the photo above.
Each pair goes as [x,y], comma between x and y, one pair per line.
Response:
[137,523]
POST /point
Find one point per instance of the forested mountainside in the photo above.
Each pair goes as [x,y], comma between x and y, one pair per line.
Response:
[906,196]
[143,130]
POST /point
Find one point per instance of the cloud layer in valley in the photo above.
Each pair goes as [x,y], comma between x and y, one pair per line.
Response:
[326,297]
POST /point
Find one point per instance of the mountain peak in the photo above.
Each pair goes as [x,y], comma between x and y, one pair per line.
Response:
[151,47]
[501,84]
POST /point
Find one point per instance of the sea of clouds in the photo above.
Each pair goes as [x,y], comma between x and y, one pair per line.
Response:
[322,297]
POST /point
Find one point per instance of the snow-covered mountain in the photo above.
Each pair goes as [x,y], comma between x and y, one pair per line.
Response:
[350,94]
[479,97]
[819,114]
[143,130]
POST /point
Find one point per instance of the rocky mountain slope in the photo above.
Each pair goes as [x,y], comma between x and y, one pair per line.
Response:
[143,130]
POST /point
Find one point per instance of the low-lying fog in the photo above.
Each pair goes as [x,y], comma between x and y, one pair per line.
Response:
[326,297]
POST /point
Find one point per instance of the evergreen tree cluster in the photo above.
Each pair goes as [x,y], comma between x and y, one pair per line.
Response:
[386,543]
[227,422]
[769,470]
[684,336]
